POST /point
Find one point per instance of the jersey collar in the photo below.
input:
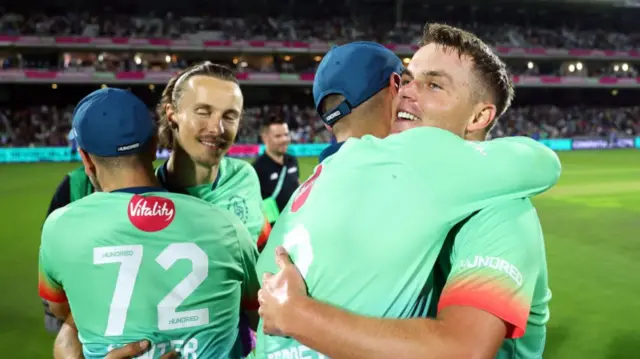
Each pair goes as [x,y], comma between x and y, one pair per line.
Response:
[139,190]
[331,149]
[162,177]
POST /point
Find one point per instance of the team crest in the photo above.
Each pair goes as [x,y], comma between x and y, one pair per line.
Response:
[238,206]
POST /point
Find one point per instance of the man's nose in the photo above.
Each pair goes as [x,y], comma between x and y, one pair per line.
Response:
[214,125]
[408,91]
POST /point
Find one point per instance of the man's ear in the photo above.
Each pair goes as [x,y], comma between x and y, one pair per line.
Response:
[485,114]
[87,162]
[168,108]
[394,84]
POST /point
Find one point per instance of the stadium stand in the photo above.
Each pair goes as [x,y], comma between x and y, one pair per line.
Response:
[49,126]
[560,64]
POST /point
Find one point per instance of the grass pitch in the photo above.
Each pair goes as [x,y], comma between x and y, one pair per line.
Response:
[591,221]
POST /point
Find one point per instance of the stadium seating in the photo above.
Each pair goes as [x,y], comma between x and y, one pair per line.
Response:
[115,49]
[49,126]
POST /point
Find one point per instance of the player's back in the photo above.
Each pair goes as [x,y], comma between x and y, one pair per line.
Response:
[161,266]
[366,228]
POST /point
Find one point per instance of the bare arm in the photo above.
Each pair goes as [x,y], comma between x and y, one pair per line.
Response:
[67,345]
[60,310]
[459,332]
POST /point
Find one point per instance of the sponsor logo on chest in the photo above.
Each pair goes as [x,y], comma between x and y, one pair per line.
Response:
[151,214]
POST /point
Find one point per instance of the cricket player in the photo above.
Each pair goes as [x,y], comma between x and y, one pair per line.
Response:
[135,261]
[424,220]
[199,113]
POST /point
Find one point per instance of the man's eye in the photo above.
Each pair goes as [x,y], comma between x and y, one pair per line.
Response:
[434,86]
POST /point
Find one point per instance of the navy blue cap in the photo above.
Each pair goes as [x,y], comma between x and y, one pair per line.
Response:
[357,71]
[112,122]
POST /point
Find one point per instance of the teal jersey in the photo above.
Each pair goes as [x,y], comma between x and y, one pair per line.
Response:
[236,189]
[160,266]
[366,228]
[497,263]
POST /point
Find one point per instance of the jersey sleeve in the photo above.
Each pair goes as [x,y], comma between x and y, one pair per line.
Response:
[248,259]
[496,260]
[504,168]
[49,284]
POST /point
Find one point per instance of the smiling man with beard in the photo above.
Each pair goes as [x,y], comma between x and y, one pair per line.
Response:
[200,112]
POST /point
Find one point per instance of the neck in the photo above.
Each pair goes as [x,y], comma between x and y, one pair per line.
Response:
[348,133]
[278,158]
[479,135]
[356,128]
[127,178]
[183,172]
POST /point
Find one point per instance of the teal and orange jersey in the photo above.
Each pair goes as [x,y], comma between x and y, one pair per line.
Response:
[237,189]
[48,288]
[497,263]
[389,204]
[153,265]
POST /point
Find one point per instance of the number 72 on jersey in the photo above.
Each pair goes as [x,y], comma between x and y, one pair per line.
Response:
[130,258]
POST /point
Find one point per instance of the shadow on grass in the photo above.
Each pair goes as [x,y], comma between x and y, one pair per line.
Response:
[556,336]
[626,345]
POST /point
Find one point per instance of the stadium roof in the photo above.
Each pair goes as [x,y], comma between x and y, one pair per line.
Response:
[615,3]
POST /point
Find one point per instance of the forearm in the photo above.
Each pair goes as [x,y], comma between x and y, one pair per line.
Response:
[340,334]
[67,345]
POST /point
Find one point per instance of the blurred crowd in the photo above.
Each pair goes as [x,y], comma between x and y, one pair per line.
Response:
[547,121]
[336,29]
[49,126]
[272,63]
[321,29]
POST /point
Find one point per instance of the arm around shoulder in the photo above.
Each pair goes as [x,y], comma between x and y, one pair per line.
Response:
[506,168]
[542,160]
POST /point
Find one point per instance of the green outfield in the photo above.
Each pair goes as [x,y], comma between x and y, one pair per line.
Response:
[591,222]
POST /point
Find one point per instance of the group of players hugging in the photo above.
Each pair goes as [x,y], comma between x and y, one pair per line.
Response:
[414,237]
